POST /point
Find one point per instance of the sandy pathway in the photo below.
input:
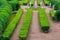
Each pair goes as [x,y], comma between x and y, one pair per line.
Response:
[16,32]
[34,29]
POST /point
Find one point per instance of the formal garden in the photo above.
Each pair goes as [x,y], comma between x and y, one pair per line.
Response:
[29,19]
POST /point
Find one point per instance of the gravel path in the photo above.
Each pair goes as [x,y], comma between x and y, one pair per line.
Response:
[16,32]
[34,29]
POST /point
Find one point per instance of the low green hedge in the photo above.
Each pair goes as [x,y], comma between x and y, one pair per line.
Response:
[46,2]
[26,25]
[39,1]
[32,2]
[44,23]
[20,2]
[11,27]
[52,14]
[25,2]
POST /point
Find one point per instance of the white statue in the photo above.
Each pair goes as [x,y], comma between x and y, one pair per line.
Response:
[30,4]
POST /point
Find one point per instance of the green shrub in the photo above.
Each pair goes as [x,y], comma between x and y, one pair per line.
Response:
[6,8]
[32,2]
[44,23]
[5,13]
[1,3]
[46,2]
[25,2]
[57,15]
[52,14]
[13,4]
[20,2]
[39,1]
[11,27]
[26,25]
[57,6]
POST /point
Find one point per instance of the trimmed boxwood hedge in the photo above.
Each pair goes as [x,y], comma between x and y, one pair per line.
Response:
[26,25]
[32,2]
[11,27]
[39,1]
[46,2]
[52,14]
[44,23]
[20,2]
[25,2]
[55,15]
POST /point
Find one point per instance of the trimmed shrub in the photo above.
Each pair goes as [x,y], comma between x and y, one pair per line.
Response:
[20,2]
[32,2]
[26,25]
[52,14]
[25,2]
[5,13]
[11,27]
[39,1]
[46,2]
[44,23]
